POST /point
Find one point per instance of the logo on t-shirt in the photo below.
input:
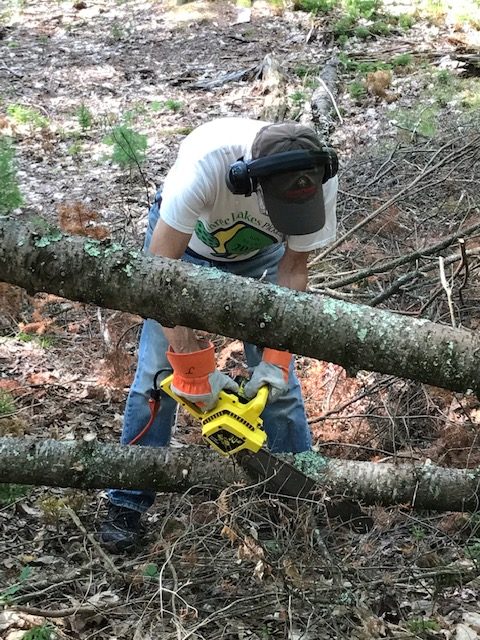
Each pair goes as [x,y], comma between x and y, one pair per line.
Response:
[235,240]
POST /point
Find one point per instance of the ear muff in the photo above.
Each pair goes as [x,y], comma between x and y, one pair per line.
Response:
[331,164]
[242,177]
[238,178]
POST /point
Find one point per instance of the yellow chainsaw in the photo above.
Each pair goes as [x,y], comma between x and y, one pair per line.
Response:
[233,424]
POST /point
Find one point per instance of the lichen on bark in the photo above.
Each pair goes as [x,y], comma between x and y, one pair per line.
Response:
[310,463]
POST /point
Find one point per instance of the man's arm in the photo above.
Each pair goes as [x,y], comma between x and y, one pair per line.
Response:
[167,242]
[292,270]
[274,368]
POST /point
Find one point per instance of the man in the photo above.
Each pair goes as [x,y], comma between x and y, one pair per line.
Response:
[253,199]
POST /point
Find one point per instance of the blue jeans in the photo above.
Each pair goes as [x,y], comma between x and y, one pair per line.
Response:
[284,420]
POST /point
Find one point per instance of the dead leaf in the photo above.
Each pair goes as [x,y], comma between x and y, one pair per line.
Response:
[103,598]
[472,619]
[377,84]
[13,622]
[11,386]
[250,550]
[292,573]
[232,351]
[42,377]
[260,569]
[229,533]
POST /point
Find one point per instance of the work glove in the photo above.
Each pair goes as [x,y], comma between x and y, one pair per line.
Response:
[272,371]
[196,379]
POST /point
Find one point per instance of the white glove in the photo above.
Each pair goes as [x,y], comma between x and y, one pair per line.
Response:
[273,370]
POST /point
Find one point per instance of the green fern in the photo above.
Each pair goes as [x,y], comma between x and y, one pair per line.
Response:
[128,147]
[43,632]
[85,118]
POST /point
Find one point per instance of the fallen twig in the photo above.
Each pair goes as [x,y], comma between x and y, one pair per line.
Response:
[448,290]
[394,287]
[44,586]
[439,289]
[108,562]
[463,265]
[234,76]
[429,169]
[393,264]
[383,384]
[14,73]
[334,103]
[54,613]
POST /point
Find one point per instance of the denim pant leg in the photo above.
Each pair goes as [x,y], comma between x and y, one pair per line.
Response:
[151,358]
[284,421]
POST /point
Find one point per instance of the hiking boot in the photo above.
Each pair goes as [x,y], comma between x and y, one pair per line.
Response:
[121,529]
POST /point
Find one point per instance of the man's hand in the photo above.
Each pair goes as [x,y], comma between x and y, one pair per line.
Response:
[196,379]
[274,368]
[272,371]
[292,270]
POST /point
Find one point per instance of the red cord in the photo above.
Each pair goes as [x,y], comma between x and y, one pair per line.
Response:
[154,407]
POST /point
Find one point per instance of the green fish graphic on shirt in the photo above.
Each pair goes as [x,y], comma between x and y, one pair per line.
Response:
[238,239]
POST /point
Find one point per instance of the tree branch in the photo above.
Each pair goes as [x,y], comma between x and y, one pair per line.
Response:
[94,465]
[175,293]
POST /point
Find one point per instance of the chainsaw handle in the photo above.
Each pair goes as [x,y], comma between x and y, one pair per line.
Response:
[257,403]
[191,407]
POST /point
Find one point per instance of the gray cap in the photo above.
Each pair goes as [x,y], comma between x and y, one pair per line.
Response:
[294,201]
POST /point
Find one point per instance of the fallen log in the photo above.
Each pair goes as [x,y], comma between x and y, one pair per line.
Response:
[322,102]
[274,84]
[248,73]
[92,465]
[354,336]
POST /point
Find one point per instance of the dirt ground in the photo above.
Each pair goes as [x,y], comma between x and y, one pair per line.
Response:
[243,564]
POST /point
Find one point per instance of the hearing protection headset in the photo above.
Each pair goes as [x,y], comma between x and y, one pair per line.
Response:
[242,177]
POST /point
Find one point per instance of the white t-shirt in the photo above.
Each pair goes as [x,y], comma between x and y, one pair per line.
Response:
[225,226]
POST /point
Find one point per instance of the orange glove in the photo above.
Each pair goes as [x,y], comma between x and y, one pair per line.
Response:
[196,379]
[273,370]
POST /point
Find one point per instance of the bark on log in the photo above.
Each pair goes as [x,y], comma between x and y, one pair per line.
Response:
[93,465]
[274,87]
[321,102]
[172,292]
[234,76]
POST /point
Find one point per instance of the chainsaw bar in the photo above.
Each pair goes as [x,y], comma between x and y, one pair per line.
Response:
[283,478]
[279,476]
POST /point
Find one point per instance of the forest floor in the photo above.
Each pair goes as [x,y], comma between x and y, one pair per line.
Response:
[405,126]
